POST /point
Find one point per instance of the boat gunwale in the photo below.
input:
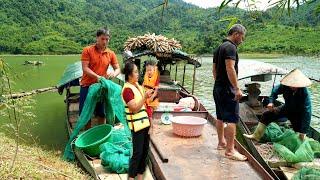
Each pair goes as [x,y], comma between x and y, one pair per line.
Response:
[255,165]
[78,153]
[245,128]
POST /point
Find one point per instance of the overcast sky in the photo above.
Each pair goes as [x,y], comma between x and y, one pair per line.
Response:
[261,4]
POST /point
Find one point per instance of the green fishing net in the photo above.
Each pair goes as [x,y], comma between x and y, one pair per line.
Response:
[289,146]
[115,156]
[110,93]
[307,174]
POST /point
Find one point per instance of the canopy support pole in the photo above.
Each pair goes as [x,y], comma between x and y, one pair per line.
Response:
[193,79]
[184,73]
[175,78]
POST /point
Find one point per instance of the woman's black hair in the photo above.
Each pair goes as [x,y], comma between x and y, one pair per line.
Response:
[128,69]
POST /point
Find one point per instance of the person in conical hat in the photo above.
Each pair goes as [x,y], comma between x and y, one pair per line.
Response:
[297,106]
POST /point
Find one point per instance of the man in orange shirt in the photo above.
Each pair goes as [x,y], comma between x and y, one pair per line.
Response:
[95,62]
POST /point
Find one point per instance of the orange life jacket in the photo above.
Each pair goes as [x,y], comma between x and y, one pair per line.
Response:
[150,83]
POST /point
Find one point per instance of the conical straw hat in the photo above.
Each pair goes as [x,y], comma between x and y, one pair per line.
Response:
[296,78]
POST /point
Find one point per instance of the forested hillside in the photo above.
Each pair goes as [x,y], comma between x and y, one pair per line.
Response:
[65,26]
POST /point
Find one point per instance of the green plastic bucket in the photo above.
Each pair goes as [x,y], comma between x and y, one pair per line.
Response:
[90,140]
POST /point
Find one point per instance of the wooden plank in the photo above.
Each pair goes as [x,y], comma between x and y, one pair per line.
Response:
[74,107]
[123,176]
[162,156]
[192,157]
[96,162]
[277,164]
[94,167]
[148,174]
[98,167]
[109,177]
[104,174]
[155,164]
[85,163]
[252,161]
[241,126]
[288,172]
[101,172]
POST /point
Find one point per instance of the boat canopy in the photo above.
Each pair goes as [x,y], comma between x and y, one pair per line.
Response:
[251,68]
[167,58]
[71,73]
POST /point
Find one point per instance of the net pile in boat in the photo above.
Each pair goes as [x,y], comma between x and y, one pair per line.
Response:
[152,42]
[115,156]
[267,152]
[307,173]
[288,145]
[107,92]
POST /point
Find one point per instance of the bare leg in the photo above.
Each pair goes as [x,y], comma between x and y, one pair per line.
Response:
[230,136]
[101,120]
[130,178]
[220,131]
[230,132]
[140,176]
[88,125]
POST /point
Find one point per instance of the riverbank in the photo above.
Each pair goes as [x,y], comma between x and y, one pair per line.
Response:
[35,163]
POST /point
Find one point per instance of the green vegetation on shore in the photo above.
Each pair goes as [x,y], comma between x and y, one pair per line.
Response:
[66,26]
[35,163]
[284,40]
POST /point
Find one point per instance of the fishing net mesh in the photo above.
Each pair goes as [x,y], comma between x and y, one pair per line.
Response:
[307,174]
[114,155]
[288,145]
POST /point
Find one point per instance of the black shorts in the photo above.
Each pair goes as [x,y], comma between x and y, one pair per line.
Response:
[227,109]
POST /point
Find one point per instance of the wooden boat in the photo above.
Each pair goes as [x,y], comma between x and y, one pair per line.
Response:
[171,157]
[251,110]
[174,157]
[70,81]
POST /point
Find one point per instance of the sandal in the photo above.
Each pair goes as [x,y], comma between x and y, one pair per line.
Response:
[221,147]
[236,156]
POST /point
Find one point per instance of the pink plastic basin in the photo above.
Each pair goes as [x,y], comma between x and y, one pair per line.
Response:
[188,126]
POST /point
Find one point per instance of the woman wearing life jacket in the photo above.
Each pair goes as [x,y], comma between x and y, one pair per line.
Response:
[134,98]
